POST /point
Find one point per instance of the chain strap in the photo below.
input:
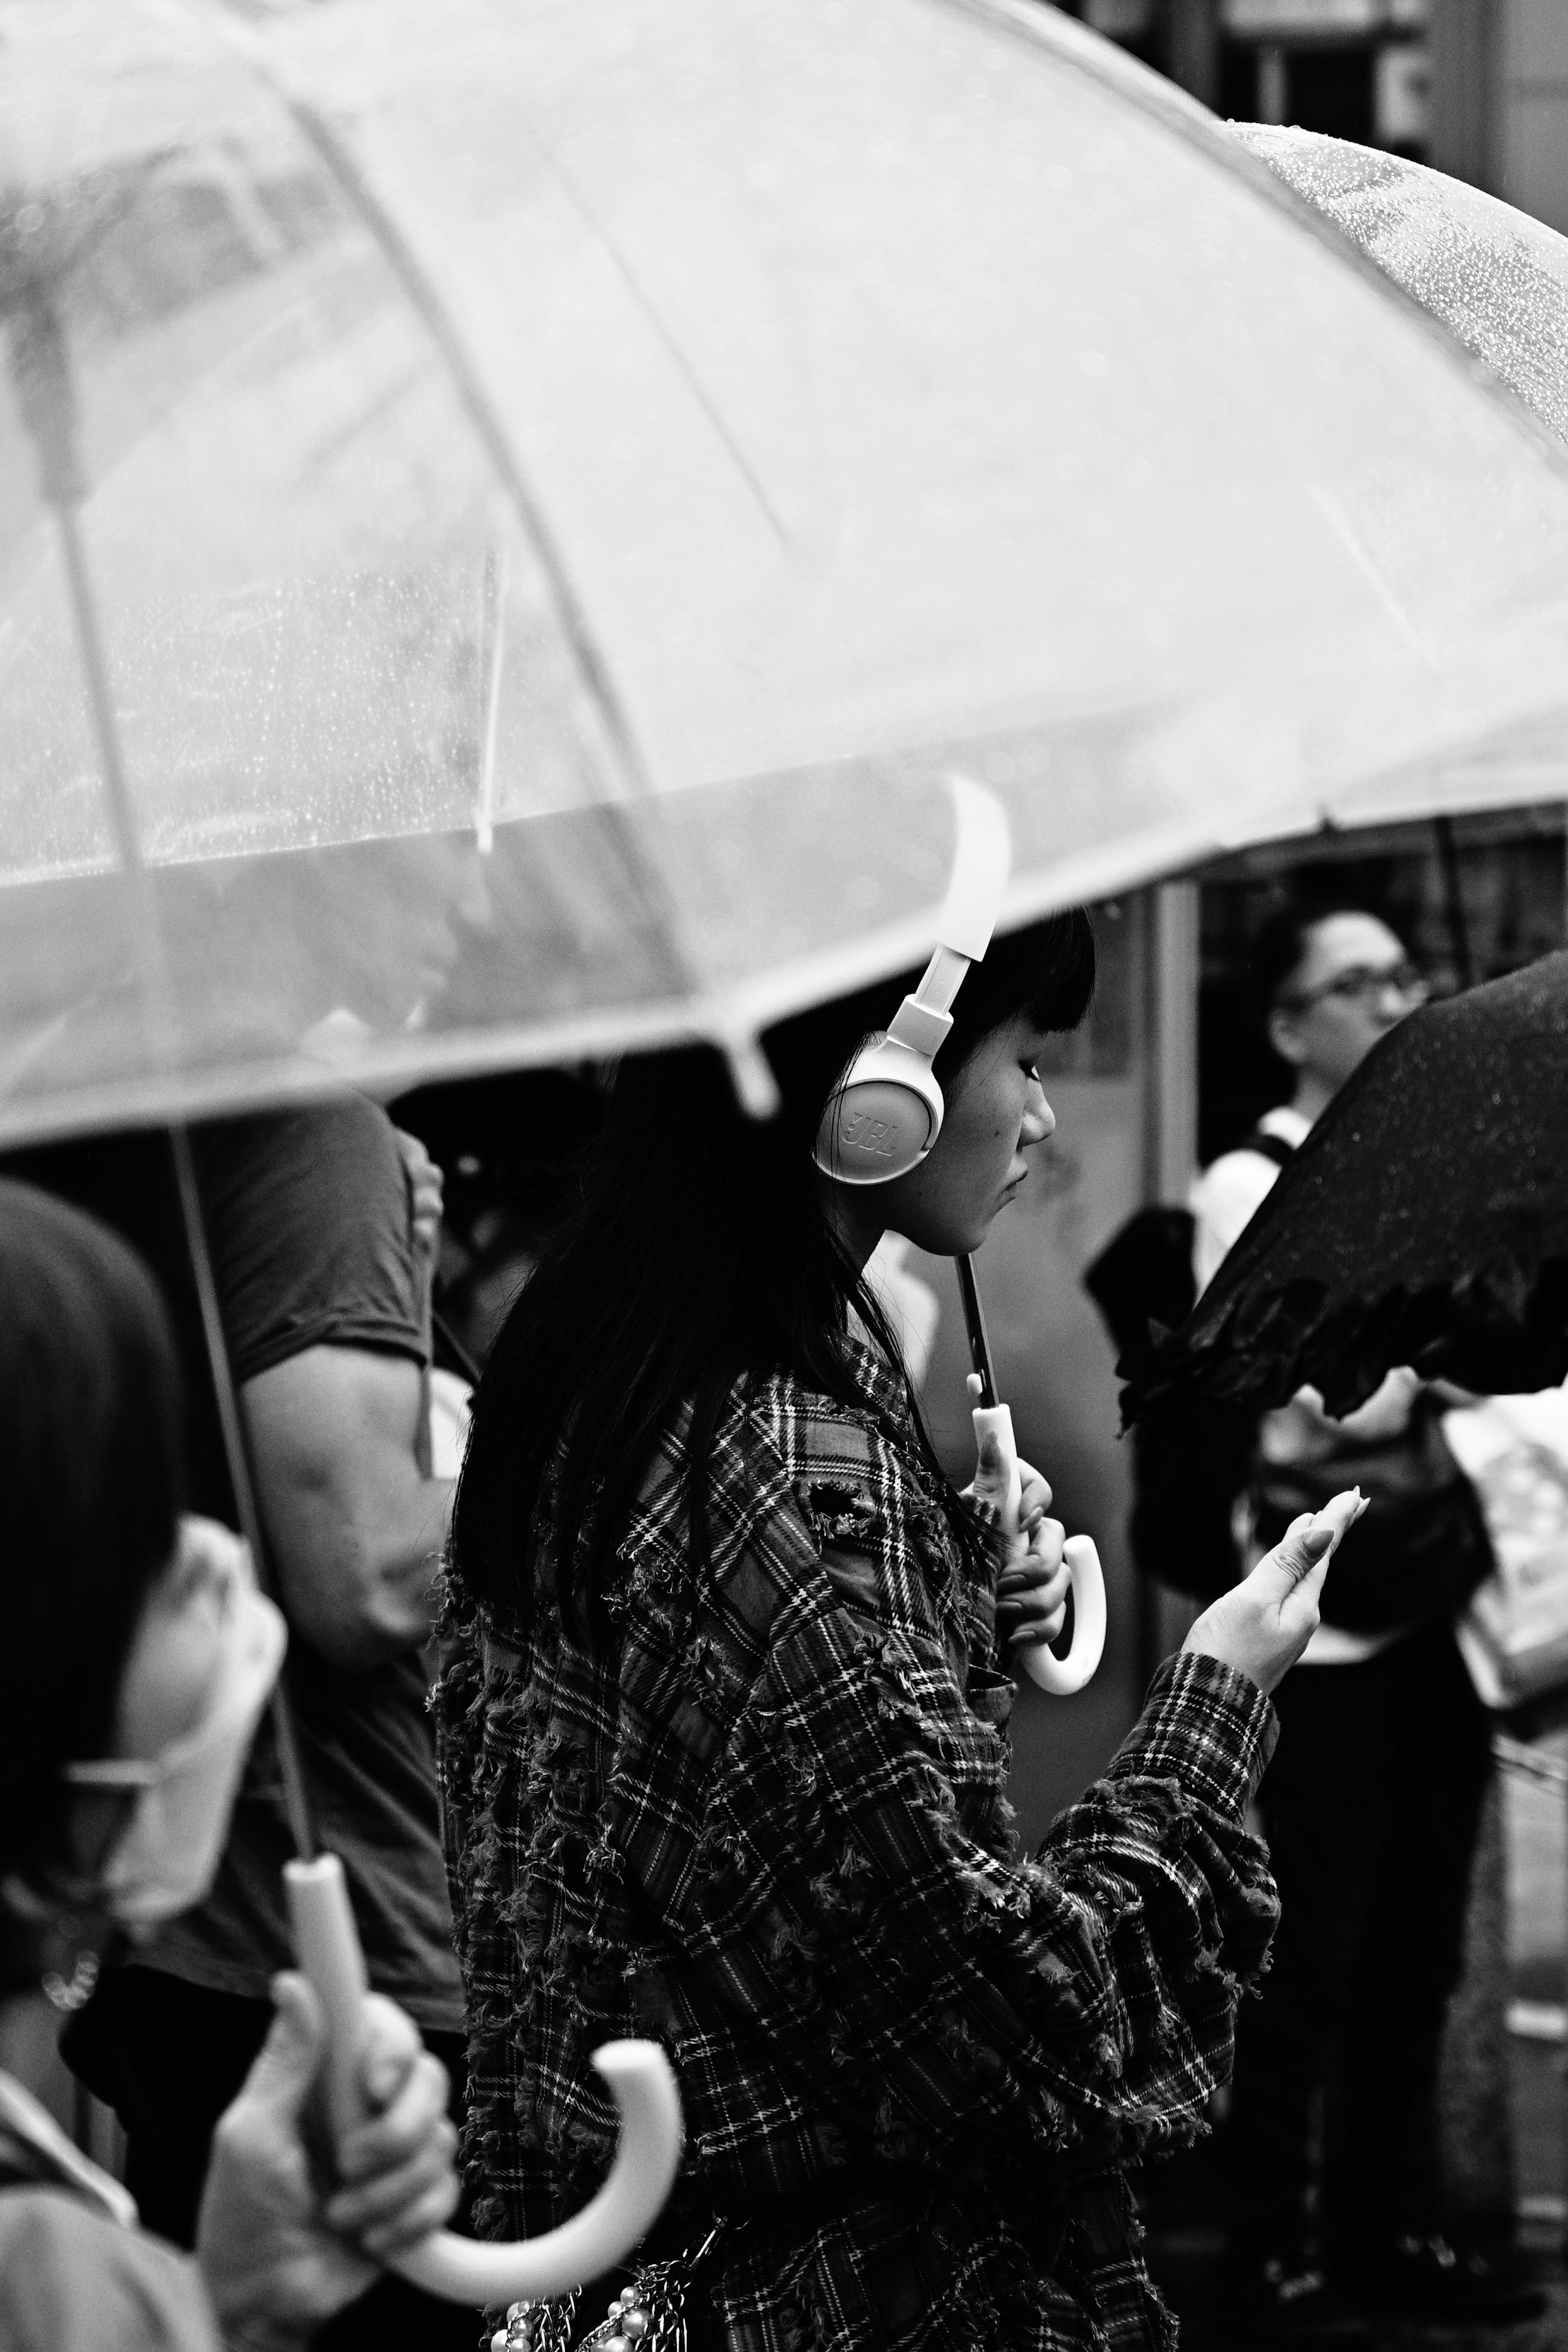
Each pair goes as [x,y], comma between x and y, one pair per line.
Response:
[648,2316]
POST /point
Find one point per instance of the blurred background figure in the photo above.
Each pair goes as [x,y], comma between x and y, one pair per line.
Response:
[1332,982]
[1373,1802]
[323,1231]
[148,1656]
[510,1150]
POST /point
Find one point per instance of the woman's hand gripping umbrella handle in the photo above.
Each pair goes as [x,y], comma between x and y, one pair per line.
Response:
[994,1422]
[464,2269]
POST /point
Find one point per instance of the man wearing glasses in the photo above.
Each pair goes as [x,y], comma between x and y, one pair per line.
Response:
[1372,1804]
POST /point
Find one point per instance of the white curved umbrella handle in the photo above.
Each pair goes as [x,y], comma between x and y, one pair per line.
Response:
[467,2270]
[1039,1661]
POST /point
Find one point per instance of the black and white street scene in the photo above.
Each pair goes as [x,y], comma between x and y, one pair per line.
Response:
[784,1175]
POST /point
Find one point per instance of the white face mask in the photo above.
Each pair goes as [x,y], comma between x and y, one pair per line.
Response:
[166,1857]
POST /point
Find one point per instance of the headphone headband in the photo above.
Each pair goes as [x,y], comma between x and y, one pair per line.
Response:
[886,1112]
[982,862]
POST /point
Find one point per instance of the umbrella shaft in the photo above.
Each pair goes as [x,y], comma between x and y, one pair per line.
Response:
[291,1770]
[975,1322]
[148,948]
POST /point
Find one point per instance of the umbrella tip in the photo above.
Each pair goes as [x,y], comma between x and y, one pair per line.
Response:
[751,1075]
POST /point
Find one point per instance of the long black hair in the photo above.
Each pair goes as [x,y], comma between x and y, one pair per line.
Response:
[89,1424]
[698,1254]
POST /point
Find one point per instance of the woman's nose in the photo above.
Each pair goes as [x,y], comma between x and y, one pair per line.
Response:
[1039,1119]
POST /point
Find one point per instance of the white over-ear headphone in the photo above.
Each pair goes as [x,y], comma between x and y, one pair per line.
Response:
[886,1112]
[881,1120]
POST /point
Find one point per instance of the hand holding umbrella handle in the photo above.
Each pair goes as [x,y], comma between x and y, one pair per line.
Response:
[465,2270]
[1039,1661]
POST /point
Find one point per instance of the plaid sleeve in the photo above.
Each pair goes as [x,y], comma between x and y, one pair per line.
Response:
[1206,1726]
[947,2005]
[1159,1850]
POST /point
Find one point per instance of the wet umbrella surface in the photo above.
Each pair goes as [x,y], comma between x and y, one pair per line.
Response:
[560,489]
[1498,279]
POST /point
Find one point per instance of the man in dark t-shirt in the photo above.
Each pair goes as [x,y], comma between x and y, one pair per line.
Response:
[323,1288]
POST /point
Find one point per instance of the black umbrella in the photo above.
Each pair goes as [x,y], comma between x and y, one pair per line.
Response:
[1423,1222]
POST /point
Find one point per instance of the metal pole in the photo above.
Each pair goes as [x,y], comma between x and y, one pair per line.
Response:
[1452,879]
[1192,48]
[40,364]
[1468,46]
[1169,944]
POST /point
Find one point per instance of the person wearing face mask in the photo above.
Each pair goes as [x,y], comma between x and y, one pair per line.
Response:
[321,1226]
[147,1657]
[722,1741]
[1372,1806]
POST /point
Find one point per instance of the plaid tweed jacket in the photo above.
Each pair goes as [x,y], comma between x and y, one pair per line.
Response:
[768,1826]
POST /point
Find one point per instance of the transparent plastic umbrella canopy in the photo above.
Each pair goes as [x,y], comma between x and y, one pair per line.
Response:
[558,489]
[1498,280]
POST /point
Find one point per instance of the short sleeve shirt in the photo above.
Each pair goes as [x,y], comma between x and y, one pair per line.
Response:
[309,1222]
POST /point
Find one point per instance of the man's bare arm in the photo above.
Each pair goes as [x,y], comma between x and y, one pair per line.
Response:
[356,1527]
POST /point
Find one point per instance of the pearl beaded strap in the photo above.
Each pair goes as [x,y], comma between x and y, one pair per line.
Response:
[648,2317]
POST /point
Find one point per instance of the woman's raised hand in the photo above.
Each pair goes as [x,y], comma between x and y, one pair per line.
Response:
[1262,1625]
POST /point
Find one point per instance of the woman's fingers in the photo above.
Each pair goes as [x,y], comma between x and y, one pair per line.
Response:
[404,2202]
[1299,1561]
[397,2167]
[416,2116]
[432,2212]
[1031,1595]
[390,2051]
[1034,1494]
[1042,1557]
[1262,1625]
[1043,1619]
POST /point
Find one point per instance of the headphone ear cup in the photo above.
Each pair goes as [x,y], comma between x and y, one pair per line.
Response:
[881,1118]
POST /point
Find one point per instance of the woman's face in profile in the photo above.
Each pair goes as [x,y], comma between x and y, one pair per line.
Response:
[994,1109]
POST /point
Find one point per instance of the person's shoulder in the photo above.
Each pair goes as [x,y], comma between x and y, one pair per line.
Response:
[782,1450]
[812,1432]
[1236,1181]
[1242,1164]
[72,2280]
[309,1222]
[345,1132]
[856,1486]
[792,1468]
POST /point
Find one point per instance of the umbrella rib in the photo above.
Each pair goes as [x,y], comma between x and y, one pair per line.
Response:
[450,348]
[149,950]
[443,332]
[673,350]
[1338,522]
[494,641]
[40,363]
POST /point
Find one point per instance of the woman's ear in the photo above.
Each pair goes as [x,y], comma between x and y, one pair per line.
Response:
[1284,1036]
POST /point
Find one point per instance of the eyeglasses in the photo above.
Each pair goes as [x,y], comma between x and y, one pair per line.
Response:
[1362,984]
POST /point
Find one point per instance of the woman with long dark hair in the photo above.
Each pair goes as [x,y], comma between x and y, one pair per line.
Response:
[723,1735]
